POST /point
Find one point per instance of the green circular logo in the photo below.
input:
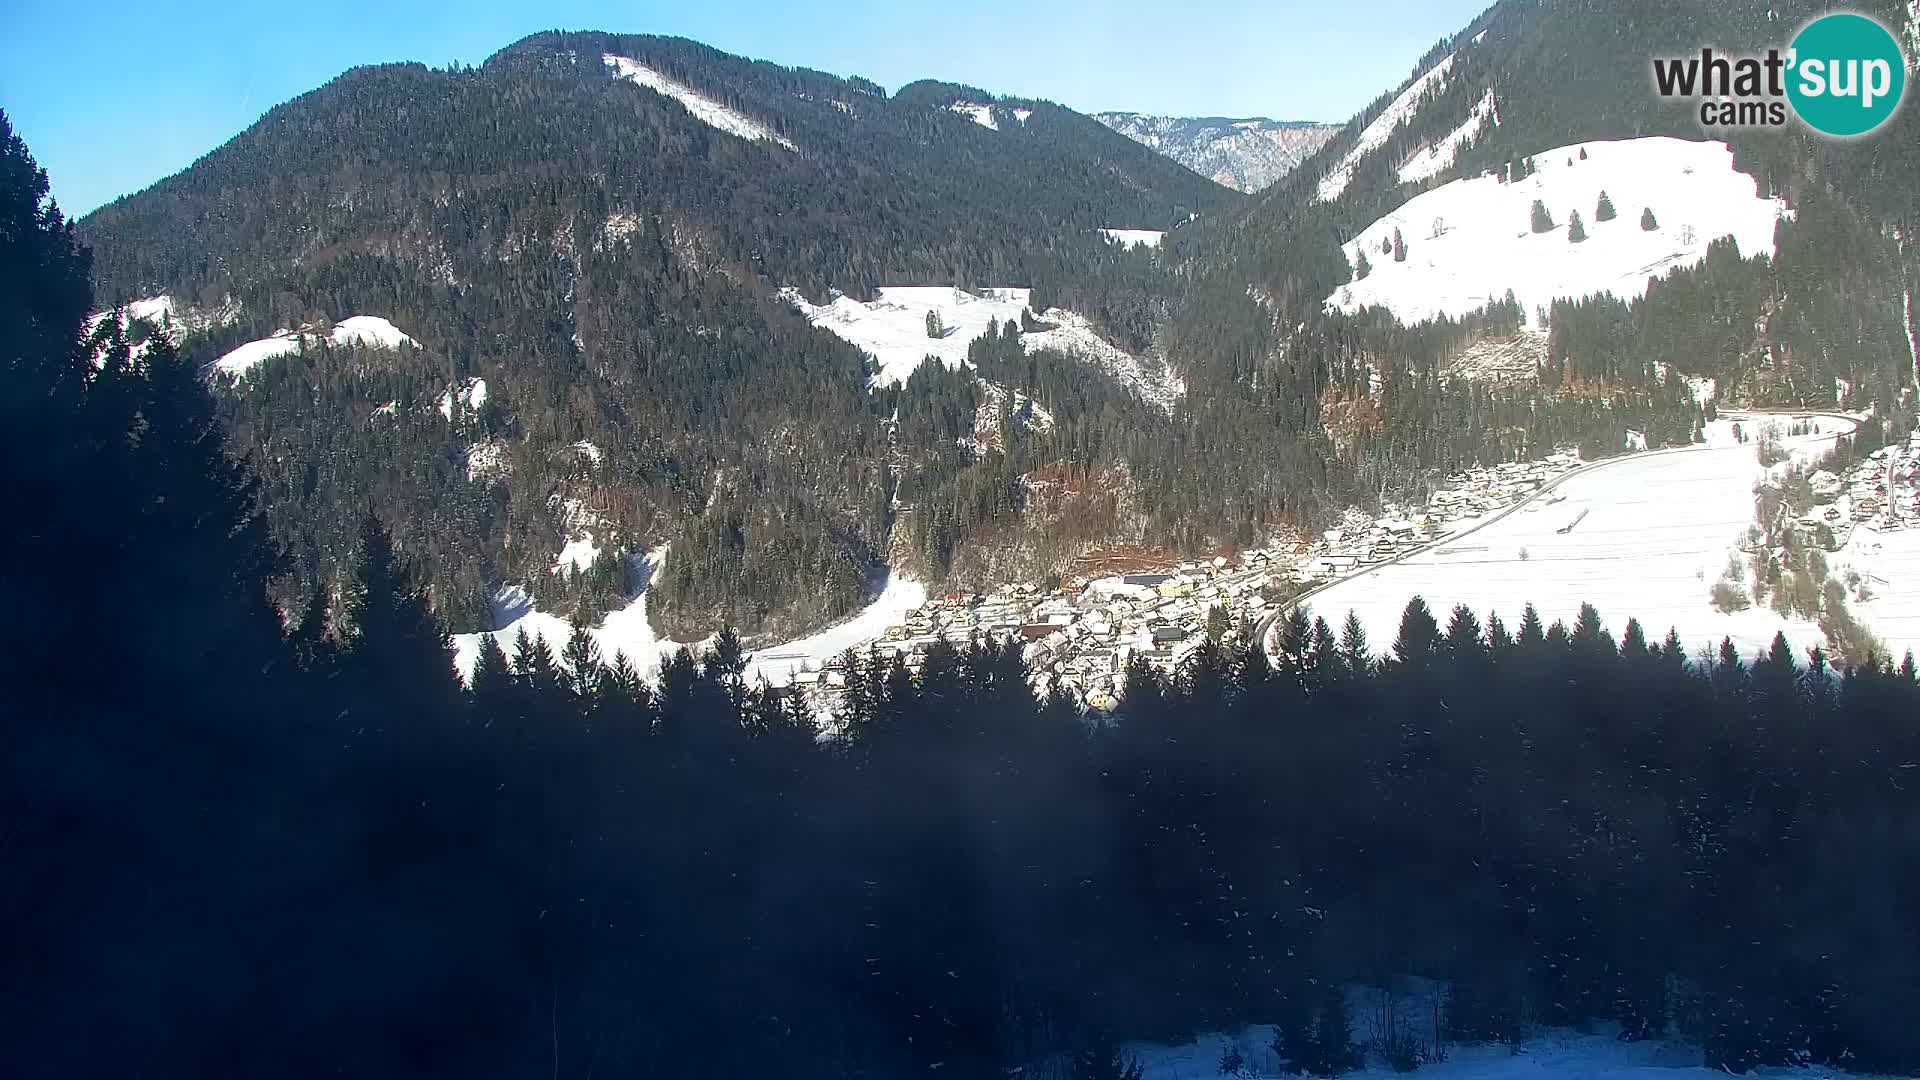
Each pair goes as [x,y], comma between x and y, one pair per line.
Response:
[1847,74]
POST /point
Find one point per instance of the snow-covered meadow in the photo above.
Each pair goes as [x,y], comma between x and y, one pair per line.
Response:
[369,331]
[892,329]
[1470,240]
[628,631]
[1653,533]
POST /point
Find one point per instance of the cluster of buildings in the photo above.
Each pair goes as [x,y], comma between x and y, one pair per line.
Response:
[1086,633]
[1881,492]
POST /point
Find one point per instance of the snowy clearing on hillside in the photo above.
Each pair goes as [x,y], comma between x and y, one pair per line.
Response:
[1889,564]
[892,329]
[1556,1054]
[777,664]
[1438,157]
[472,394]
[1653,533]
[368,331]
[1469,241]
[979,114]
[627,630]
[1374,135]
[1134,237]
[576,555]
[704,109]
[487,461]
[1022,115]
[1913,332]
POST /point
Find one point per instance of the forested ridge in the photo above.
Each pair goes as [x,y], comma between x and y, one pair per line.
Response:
[609,265]
[233,842]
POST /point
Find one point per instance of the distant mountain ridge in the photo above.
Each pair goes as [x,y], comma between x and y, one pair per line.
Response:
[1245,153]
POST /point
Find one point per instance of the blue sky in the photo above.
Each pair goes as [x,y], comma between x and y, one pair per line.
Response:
[113,95]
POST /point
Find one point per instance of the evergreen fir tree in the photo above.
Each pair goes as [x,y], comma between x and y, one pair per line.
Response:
[1399,247]
[1354,654]
[1362,267]
[1647,222]
[1576,232]
[1541,221]
[1604,210]
[935,328]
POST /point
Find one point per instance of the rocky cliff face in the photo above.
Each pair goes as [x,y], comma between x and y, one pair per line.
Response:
[1246,154]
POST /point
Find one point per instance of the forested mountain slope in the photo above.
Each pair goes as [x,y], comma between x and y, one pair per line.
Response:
[1528,76]
[581,226]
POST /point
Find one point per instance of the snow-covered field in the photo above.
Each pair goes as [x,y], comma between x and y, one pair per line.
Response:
[363,330]
[1135,237]
[1470,240]
[777,663]
[1376,133]
[893,330]
[628,631]
[704,109]
[1890,564]
[1657,531]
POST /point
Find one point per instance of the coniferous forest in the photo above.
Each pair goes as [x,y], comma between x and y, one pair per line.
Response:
[237,841]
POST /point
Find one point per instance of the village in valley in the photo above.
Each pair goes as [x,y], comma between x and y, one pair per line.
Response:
[1085,633]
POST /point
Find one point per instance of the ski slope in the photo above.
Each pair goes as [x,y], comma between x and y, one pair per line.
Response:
[713,113]
[1657,531]
[1470,240]
[368,331]
[892,329]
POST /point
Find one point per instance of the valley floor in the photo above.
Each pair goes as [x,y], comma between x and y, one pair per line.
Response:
[1644,537]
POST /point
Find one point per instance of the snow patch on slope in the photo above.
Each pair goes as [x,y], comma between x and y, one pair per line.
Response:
[575,555]
[704,109]
[1485,244]
[1439,157]
[487,461]
[1375,134]
[1913,333]
[1072,334]
[472,394]
[1134,237]
[892,329]
[979,114]
[625,631]
[777,663]
[368,331]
